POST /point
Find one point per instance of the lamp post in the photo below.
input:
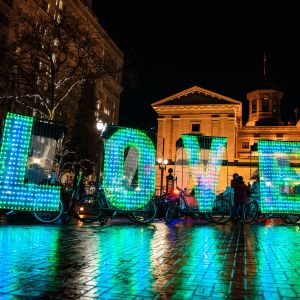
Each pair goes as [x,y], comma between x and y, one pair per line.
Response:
[162,164]
[101,128]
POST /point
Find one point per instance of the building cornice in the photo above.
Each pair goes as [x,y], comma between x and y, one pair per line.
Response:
[268,128]
[195,89]
[202,107]
[263,91]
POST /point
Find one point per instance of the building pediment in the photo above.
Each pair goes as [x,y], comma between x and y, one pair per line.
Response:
[195,96]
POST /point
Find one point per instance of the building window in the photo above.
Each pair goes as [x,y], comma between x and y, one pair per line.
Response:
[8,2]
[3,19]
[106,111]
[48,8]
[61,5]
[53,58]
[3,40]
[58,18]
[245,145]
[56,42]
[254,106]
[275,107]
[265,104]
[195,127]
[44,5]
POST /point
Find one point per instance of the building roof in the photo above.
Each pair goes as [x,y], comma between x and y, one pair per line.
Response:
[196,96]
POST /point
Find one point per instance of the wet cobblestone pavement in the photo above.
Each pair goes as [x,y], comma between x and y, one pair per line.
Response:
[186,260]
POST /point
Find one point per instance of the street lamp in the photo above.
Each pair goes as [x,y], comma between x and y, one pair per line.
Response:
[101,126]
[162,164]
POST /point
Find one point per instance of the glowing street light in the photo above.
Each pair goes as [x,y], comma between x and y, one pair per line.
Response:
[101,126]
[162,164]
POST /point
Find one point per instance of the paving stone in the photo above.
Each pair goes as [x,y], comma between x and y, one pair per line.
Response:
[121,260]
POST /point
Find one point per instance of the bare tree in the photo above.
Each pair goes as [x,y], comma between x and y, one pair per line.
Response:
[51,55]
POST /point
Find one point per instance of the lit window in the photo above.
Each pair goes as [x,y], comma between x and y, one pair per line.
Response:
[48,8]
[58,18]
[53,58]
[106,111]
[18,50]
[61,4]
[195,127]
[245,145]
[56,42]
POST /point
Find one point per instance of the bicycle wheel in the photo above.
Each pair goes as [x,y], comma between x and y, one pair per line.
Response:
[221,211]
[65,218]
[171,212]
[49,216]
[285,219]
[147,214]
[294,219]
[88,209]
[250,213]
[131,217]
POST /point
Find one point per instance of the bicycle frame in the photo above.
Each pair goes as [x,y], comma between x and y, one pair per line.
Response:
[221,211]
[145,214]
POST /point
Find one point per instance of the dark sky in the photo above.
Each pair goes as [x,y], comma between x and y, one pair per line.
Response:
[217,47]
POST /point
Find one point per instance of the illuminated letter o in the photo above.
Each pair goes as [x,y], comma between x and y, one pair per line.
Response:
[116,190]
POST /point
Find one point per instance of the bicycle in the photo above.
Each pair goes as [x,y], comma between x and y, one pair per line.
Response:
[180,203]
[38,215]
[69,204]
[143,215]
[252,213]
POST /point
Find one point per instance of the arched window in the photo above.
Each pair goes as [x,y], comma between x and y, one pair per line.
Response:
[254,106]
[265,104]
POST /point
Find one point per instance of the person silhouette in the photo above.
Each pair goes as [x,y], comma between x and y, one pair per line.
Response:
[233,182]
[241,193]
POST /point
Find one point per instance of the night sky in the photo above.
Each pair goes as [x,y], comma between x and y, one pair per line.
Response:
[220,48]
